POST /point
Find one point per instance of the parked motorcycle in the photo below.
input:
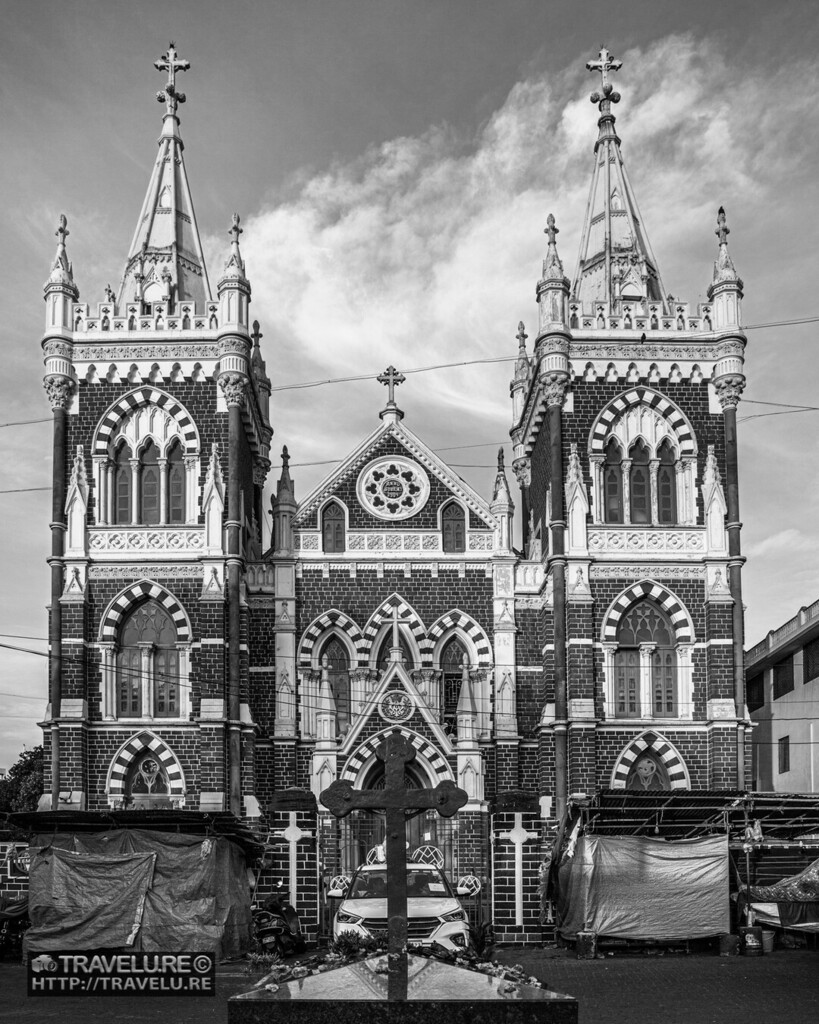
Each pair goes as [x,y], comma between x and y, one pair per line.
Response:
[13,923]
[276,924]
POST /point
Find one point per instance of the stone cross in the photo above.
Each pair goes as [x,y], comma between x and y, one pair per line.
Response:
[392,378]
[396,800]
[518,836]
[604,64]
[293,834]
[171,63]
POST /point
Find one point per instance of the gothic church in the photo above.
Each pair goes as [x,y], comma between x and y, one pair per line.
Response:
[200,665]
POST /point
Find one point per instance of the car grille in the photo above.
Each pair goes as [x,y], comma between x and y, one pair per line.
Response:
[417,927]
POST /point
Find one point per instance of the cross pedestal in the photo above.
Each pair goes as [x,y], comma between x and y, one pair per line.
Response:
[395,800]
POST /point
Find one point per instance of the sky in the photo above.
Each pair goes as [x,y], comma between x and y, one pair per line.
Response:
[394,162]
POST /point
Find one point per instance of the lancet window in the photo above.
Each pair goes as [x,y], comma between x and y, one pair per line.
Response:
[645,664]
[613,483]
[335,660]
[452,663]
[332,528]
[453,523]
[148,676]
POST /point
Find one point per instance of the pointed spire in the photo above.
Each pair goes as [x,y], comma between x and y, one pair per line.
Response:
[522,366]
[284,488]
[234,265]
[257,363]
[724,269]
[166,255]
[615,261]
[501,491]
[552,265]
[283,507]
[62,272]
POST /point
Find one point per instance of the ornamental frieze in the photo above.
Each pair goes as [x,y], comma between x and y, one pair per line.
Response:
[641,350]
[613,571]
[133,540]
[144,570]
[115,353]
[648,542]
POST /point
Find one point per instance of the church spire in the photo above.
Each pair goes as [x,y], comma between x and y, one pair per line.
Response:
[616,262]
[166,261]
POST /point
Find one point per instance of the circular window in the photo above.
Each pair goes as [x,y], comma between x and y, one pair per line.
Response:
[393,488]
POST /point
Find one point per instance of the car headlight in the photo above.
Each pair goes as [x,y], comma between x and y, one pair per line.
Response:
[342,917]
[454,915]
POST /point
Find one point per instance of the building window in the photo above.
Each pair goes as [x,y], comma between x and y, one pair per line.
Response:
[613,483]
[149,485]
[176,484]
[453,521]
[782,678]
[452,668]
[338,672]
[332,528]
[666,484]
[639,487]
[645,663]
[755,692]
[122,485]
[147,664]
[811,660]
[147,784]
[784,746]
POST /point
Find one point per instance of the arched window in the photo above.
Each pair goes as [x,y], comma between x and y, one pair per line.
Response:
[338,669]
[149,485]
[639,486]
[146,784]
[176,484]
[148,664]
[613,483]
[666,484]
[332,528]
[453,522]
[452,664]
[645,663]
[123,483]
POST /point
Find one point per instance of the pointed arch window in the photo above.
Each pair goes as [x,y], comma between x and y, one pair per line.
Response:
[453,522]
[639,484]
[667,484]
[149,485]
[338,670]
[176,484]
[123,482]
[148,664]
[645,664]
[332,528]
[613,483]
[452,664]
[146,784]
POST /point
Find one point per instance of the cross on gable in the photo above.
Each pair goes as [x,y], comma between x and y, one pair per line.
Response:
[395,800]
[171,63]
[392,378]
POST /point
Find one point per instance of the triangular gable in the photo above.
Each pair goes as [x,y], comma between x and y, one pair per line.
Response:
[420,718]
[419,451]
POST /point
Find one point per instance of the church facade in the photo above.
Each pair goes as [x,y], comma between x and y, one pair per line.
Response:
[198,664]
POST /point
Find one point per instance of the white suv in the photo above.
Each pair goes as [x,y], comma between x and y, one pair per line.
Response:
[434,913]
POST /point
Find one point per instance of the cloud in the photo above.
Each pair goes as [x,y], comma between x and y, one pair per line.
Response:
[787,542]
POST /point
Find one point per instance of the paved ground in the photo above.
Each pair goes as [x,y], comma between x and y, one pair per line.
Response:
[671,989]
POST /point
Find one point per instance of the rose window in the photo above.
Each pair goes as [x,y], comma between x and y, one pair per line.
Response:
[393,488]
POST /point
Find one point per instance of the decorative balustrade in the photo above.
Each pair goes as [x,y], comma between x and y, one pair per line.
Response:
[529,577]
[138,540]
[640,316]
[777,636]
[395,542]
[646,541]
[155,316]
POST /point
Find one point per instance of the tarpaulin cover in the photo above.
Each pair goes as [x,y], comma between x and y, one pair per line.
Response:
[631,887]
[800,888]
[152,891]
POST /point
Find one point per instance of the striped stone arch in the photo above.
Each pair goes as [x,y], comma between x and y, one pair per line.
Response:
[468,626]
[654,400]
[126,599]
[332,619]
[670,604]
[663,749]
[364,754]
[110,422]
[407,616]
[132,749]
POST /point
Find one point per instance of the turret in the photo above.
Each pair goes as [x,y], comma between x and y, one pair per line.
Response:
[60,294]
[552,346]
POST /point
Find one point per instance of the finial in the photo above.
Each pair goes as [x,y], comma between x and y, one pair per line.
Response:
[500,460]
[235,230]
[521,336]
[604,64]
[285,458]
[723,230]
[550,229]
[392,378]
[109,294]
[62,231]
[256,334]
[171,63]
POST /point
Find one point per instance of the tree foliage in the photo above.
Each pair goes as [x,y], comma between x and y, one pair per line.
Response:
[20,790]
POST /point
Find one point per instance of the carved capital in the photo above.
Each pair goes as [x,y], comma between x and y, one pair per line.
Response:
[233,387]
[554,386]
[59,391]
[522,469]
[260,470]
[729,391]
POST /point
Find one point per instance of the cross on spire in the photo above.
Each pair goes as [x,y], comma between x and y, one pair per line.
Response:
[604,64]
[171,63]
[550,230]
